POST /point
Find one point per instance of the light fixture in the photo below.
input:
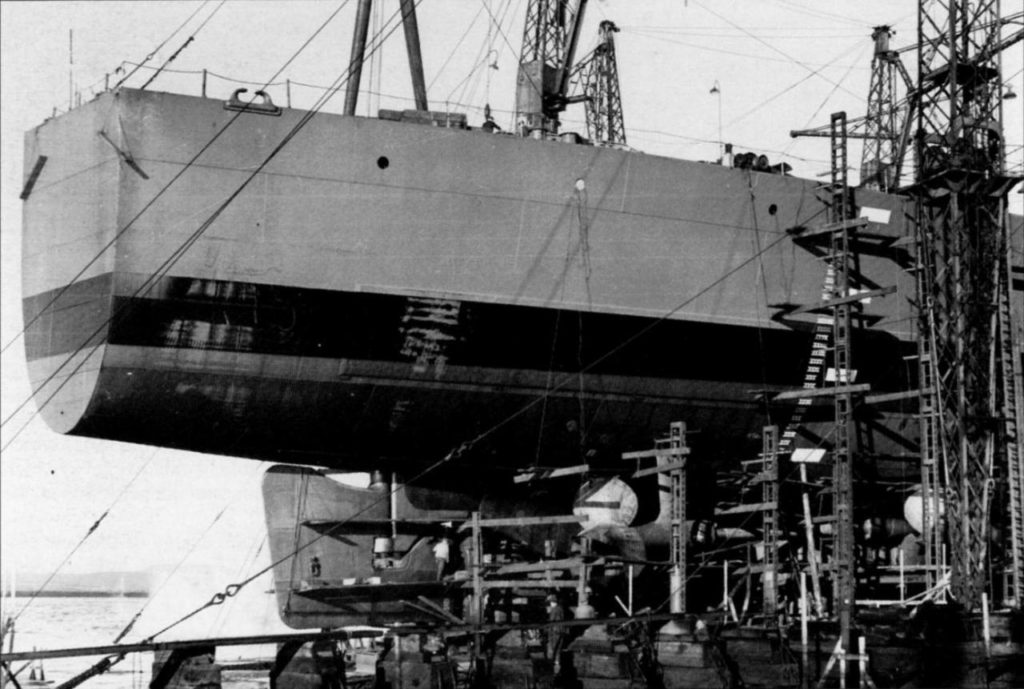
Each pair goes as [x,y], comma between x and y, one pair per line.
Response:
[1009,94]
[715,88]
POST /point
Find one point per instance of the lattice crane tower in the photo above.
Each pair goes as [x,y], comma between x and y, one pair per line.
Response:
[969,401]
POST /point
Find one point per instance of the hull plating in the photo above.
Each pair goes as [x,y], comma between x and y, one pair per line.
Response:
[383,291]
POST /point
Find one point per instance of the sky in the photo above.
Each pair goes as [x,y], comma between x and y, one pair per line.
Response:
[778,64]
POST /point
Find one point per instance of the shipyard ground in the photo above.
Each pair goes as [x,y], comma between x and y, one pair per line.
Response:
[932,647]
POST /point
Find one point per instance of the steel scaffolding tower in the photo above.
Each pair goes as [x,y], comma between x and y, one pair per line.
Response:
[596,78]
[885,117]
[970,441]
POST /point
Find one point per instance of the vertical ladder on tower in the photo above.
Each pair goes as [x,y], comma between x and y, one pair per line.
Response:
[930,416]
[676,445]
[1013,441]
[845,265]
[770,521]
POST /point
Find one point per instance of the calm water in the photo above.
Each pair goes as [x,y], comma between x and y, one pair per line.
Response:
[51,623]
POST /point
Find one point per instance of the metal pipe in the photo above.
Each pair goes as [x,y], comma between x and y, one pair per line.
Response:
[862,660]
[412,45]
[570,51]
[355,67]
[393,506]
[154,646]
[986,625]
[803,623]
[630,570]
[812,555]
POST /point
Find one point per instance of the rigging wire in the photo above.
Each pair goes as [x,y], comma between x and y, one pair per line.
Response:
[821,14]
[247,563]
[504,37]
[162,44]
[696,140]
[824,101]
[715,49]
[184,45]
[110,661]
[181,562]
[797,83]
[814,72]
[455,48]
[83,539]
[117,235]
[487,49]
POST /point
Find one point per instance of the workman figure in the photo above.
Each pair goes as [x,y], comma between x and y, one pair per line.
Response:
[556,634]
[442,553]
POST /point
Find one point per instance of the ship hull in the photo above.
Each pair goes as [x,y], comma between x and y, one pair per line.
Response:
[383,293]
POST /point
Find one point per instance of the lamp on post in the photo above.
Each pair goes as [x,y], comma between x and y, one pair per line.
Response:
[717,90]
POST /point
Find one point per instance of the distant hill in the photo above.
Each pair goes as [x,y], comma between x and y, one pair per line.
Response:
[133,584]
